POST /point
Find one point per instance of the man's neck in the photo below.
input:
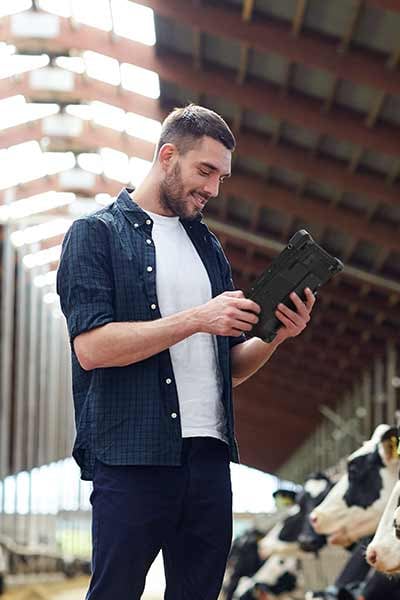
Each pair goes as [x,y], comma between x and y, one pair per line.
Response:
[147,196]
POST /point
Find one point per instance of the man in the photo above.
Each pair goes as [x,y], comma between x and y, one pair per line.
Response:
[157,339]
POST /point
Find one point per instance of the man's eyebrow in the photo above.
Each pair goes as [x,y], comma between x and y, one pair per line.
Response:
[213,168]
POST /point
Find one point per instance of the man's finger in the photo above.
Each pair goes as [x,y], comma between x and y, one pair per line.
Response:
[311,298]
[302,309]
[285,320]
[235,294]
[247,317]
[293,316]
[247,304]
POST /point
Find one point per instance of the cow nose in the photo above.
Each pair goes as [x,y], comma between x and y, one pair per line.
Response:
[313,519]
[310,544]
[372,557]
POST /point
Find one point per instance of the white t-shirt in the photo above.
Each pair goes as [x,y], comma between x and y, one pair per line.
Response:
[182,282]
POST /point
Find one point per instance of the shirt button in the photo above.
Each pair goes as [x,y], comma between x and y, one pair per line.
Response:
[174,415]
[153,307]
[148,241]
[136,224]
[148,222]
[149,269]
[168,380]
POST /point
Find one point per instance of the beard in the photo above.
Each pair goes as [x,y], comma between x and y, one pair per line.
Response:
[173,197]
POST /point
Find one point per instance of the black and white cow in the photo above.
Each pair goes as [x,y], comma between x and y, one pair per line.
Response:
[294,534]
[316,488]
[354,506]
[383,553]
[375,587]
[349,580]
[277,578]
[380,587]
[243,561]
[282,539]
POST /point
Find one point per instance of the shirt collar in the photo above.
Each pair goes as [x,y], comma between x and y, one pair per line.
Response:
[135,214]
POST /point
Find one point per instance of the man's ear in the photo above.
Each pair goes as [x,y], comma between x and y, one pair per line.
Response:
[166,155]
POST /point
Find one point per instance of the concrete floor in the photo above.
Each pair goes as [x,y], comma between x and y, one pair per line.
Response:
[75,589]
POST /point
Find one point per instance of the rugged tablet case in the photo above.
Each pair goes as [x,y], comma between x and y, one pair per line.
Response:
[303,263]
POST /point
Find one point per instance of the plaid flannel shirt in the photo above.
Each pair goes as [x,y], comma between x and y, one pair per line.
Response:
[123,415]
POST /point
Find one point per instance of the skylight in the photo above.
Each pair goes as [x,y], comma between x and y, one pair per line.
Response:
[96,14]
[91,162]
[15,111]
[43,257]
[134,21]
[141,81]
[102,67]
[62,8]
[108,115]
[28,154]
[11,64]
[138,169]
[48,278]
[115,164]
[131,20]
[55,162]
[142,127]
[32,205]
[128,19]
[76,64]
[37,233]
[11,7]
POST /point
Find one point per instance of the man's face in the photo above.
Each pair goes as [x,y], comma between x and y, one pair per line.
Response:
[192,179]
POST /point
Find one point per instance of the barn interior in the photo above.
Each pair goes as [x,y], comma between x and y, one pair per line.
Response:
[311,90]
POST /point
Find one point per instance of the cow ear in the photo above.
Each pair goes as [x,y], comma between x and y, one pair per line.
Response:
[389,433]
[390,444]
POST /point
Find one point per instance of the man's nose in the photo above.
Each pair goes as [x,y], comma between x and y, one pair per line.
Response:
[212,188]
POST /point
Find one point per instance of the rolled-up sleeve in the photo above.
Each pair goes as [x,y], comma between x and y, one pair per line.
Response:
[84,277]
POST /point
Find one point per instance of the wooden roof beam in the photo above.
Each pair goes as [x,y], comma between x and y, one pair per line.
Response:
[270,253]
[102,185]
[250,187]
[261,97]
[85,90]
[309,209]
[312,50]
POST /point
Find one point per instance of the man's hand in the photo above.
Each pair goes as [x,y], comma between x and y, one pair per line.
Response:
[230,313]
[294,322]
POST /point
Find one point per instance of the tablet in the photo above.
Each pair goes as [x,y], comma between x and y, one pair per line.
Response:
[303,263]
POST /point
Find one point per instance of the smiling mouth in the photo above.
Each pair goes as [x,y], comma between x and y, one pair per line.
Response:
[199,201]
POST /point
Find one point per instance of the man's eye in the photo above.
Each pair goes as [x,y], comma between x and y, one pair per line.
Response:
[204,173]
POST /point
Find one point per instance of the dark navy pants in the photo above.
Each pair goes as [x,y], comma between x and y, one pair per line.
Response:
[185,511]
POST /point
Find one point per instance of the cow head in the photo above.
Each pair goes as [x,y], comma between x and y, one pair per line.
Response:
[383,553]
[282,539]
[277,576]
[243,558]
[294,534]
[316,488]
[353,507]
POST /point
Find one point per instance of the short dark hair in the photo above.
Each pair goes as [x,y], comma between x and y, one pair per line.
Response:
[184,127]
